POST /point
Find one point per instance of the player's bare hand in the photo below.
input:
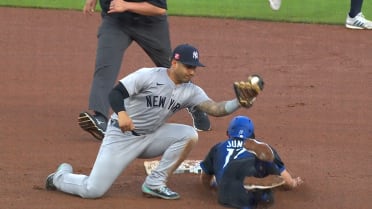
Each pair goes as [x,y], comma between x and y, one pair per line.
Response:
[89,7]
[296,182]
[125,122]
[118,6]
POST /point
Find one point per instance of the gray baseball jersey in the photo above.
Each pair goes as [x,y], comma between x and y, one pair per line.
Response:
[153,98]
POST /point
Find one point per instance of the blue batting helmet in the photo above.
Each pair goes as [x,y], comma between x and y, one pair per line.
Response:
[241,127]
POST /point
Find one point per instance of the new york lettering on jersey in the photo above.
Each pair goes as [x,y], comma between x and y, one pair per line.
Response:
[160,101]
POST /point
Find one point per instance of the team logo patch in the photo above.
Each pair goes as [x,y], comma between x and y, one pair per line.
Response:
[177,56]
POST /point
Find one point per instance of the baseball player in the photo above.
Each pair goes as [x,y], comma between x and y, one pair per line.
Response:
[142,103]
[244,170]
[142,21]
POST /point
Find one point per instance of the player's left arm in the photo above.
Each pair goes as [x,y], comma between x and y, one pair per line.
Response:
[219,109]
[246,93]
[207,177]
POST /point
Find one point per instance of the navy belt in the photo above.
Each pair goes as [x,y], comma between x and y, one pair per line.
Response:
[115,123]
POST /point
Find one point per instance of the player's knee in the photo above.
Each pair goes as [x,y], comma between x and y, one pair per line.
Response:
[94,193]
[193,136]
[191,142]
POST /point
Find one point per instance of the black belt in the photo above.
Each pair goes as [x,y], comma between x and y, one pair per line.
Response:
[115,123]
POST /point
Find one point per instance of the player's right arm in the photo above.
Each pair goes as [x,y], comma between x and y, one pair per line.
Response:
[89,6]
[290,182]
[116,98]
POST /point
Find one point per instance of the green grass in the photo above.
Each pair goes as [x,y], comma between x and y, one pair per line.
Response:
[309,11]
[53,4]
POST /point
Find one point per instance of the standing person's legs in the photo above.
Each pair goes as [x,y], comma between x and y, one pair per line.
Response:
[355,7]
[154,39]
[112,43]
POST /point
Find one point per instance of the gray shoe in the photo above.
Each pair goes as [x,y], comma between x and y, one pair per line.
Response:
[260,149]
[94,124]
[268,182]
[63,168]
[163,192]
[200,120]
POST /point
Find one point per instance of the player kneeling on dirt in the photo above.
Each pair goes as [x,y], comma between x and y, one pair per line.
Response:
[243,169]
[142,103]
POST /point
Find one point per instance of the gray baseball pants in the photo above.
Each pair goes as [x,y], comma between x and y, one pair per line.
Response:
[119,149]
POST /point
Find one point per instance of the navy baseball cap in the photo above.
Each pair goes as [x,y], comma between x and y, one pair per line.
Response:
[187,55]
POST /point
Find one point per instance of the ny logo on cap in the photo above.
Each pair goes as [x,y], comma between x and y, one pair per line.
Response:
[195,55]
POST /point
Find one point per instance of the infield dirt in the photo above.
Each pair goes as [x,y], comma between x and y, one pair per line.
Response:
[316,107]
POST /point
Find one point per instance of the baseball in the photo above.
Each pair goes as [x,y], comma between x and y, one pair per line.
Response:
[256,80]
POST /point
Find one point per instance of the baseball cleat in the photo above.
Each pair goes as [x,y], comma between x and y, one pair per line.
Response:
[275,4]
[200,120]
[260,149]
[63,168]
[162,192]
[358,22]
[49,185]
[93,124]
[268,182]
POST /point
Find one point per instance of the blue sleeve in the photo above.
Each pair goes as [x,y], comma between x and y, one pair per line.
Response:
[207,163]
[281,168]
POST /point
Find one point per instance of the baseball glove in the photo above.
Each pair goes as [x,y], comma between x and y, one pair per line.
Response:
[247,91]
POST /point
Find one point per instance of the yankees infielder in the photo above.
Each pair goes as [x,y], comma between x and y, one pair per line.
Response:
[138,128]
